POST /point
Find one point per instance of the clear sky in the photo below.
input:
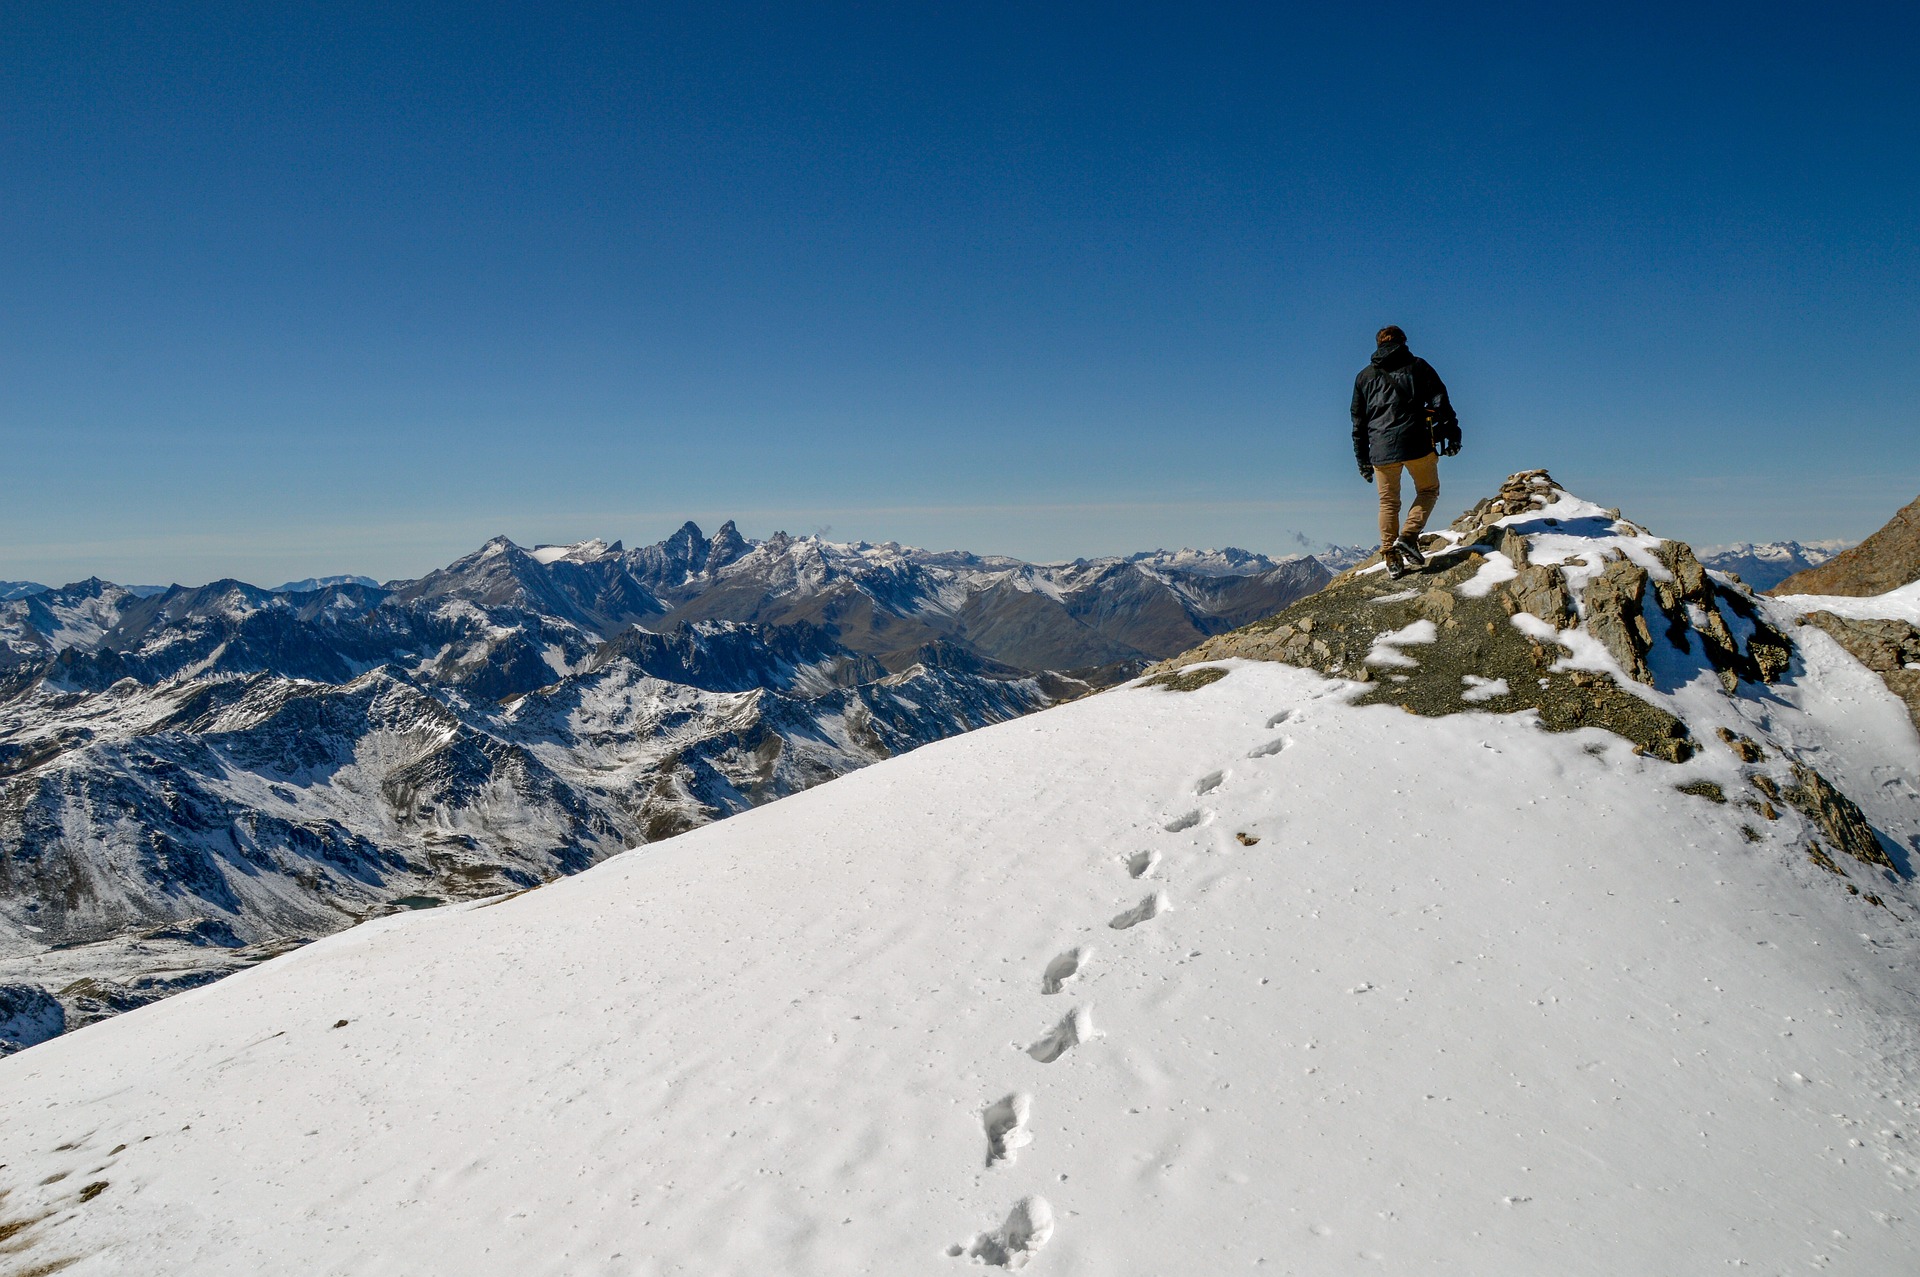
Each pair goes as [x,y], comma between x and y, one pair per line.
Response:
[305,288]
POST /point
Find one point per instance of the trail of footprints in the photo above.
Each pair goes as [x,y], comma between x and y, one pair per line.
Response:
[1030,1223]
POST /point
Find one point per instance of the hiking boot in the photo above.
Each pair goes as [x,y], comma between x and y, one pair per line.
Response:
[1396,566]
[1410,553]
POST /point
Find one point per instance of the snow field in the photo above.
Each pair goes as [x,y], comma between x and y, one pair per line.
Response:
[1150,983]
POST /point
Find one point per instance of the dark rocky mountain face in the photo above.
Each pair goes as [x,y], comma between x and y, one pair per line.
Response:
[196,779]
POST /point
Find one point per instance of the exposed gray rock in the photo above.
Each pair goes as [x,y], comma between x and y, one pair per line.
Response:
[1542,591]
[1615,617]
[1836,815]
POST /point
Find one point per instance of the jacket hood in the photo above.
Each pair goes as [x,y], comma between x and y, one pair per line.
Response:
[1392,355]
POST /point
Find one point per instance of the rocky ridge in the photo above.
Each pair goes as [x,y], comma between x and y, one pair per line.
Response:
[1887,560]
[1536,601]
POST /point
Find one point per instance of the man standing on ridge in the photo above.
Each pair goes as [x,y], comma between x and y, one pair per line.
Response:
[1401,419]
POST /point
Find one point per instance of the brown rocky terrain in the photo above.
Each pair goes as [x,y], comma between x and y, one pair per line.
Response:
[1887,560]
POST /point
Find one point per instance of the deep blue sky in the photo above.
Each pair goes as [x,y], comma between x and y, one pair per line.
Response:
[314,288]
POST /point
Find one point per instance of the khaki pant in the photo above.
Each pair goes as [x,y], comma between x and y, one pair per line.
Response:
[1426,491]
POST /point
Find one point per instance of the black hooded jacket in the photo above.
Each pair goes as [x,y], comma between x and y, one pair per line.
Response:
[1390,401]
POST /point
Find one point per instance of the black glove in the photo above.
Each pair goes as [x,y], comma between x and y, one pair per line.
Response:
[1446,439]
[1366,472]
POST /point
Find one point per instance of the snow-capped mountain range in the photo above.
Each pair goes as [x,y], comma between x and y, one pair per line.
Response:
[1763,566]
[884,600]
[1549,910]
[194,780]
[309,584]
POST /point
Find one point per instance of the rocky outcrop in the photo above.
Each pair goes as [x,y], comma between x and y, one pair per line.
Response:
[1835,814]
[28,1015]
[1542,591]
[1499,646]
[1476,647]
[1535,600]
[1615,617]
[1887,560]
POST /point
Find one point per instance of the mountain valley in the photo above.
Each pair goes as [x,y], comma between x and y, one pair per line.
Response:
[195,780]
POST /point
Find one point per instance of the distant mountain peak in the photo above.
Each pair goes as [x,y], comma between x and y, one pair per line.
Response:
[312,584]
[587,551]
[1763,565]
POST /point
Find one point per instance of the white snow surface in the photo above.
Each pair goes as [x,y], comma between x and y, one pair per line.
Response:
[1902,604]
[1373,992]
[1497,570]
[579,552]
[1386,648]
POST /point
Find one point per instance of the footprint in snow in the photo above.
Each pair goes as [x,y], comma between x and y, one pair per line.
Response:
[1029,1225]
[1283,716]
[1005,1121]
[1180,824]
[1209,782]
[1142,863]
[1075,1027]
[1271,748]
[1064,968]
[1151,907]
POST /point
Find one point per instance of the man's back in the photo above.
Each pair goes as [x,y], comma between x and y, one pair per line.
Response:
[1400,409]
[1391,397]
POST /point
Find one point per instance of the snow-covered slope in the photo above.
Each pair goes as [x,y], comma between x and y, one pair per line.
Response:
[1881,631]
[1153,982]
[1902,604]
